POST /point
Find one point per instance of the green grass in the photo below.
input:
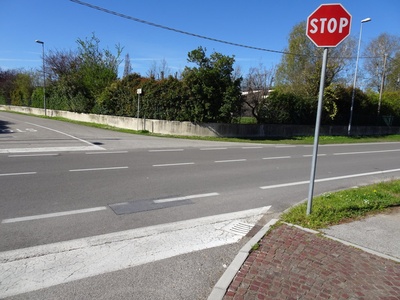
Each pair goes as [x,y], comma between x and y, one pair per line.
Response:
[347,205]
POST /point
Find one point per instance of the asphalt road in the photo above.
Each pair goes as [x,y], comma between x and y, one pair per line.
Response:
[66,185]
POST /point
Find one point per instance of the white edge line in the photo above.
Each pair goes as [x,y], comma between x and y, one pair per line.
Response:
[176,164]
[329,179]
[16,174]
[367,152]
[34,155]
[283,185]
[98,169]
[185,198]
[53,215]
[66,134]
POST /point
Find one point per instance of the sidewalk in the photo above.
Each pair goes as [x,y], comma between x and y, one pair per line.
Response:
[294,263]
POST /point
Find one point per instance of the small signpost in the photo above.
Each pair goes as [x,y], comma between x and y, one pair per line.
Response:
[327,27]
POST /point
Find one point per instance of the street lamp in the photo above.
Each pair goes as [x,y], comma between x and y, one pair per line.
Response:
[44,77]
[355,77]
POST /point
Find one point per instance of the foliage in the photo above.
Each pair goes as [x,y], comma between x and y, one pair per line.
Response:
[288,108]
[334,208]
[22,90]
[376,50]
[213,94]
[300,69]
[7,82]
[393,74]
[77,79]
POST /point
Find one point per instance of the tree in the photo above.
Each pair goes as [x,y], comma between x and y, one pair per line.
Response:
[393,74]
[257,85]
[7,81]
[128,66]
[384,45]
[300,69]
[22,91]
[159,71]
[214,95]
[78,78]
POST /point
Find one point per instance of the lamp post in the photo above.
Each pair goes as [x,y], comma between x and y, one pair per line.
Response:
[139,92]
[44,78]
[355,77]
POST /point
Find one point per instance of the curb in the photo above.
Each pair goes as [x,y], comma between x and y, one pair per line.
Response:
[223,283]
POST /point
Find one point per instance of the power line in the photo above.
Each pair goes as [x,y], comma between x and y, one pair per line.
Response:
[178,30]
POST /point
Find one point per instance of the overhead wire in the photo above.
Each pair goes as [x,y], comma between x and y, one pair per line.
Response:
[178,30]
[108,11]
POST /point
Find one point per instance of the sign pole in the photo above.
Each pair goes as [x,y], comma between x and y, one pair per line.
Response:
[316,135]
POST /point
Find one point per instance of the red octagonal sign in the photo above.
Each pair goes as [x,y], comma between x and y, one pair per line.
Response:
[328,25]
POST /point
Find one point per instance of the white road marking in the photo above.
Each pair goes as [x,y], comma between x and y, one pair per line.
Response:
[253,147]
[283,185]
[98,169]
[185,198]
[329,179]
[230,160]
[53,215]
[63,133]
[310,155]
[286,146]
[51,149]
[166,150]
[277,157]
[210,149]
[367,152]
[17,174]
[34,268]
[34,155]
[175,164]
[106,152]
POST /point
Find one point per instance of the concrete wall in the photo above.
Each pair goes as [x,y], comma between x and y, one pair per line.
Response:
[205,129]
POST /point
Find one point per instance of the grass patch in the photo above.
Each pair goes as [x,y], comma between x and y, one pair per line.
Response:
[347,205]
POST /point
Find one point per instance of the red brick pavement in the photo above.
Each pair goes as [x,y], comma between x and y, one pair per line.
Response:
[294,264]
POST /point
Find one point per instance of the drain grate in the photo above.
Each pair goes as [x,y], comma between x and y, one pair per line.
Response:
[239,228]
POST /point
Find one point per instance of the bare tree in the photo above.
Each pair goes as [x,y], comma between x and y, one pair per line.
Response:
[376,58]
[159,71]
[257,85]
[128,66]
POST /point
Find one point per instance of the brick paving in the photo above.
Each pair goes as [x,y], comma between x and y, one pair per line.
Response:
[294,264]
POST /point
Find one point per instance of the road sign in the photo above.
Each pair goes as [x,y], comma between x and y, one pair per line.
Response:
[328,25]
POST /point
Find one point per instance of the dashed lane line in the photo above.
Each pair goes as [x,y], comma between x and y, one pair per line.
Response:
[185,198]
[174,164]
[17,174]
[53,215]
[98,169]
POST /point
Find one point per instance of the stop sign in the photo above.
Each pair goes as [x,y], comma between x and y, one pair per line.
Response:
[328,25]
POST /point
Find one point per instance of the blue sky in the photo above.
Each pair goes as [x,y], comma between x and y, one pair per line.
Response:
[265,24]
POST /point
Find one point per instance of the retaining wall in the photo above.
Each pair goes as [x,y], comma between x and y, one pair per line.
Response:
[205,129]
